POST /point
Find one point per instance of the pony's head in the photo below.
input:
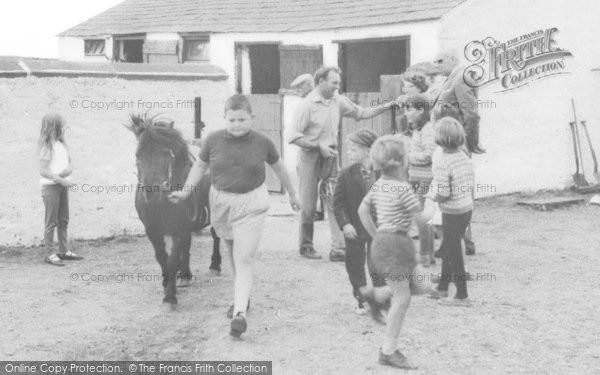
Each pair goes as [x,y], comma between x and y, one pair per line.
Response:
[162,156]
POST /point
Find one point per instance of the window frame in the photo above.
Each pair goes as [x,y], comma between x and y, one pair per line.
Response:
[86,41]
[196,38]
[118,45]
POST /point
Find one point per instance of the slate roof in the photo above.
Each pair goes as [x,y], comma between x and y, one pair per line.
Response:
[251,16]
[10,67]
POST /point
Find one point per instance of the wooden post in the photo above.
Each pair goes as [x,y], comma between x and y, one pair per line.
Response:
[198,124]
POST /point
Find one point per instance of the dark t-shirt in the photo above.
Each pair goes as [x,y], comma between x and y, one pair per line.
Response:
[237,164]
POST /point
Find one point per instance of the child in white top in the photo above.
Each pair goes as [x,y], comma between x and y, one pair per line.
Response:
[55,169]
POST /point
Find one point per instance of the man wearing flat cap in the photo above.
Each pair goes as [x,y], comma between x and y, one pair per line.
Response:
[455,92]
[316,133]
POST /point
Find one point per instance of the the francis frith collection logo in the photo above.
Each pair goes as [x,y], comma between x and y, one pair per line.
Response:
[514,63]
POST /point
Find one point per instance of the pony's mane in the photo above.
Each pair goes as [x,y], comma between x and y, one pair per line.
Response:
[153,132]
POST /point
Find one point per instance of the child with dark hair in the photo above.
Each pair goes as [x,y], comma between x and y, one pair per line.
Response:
[452,189]
[414,83]
[55,169]
[422,146]
[239,200]
[353,184]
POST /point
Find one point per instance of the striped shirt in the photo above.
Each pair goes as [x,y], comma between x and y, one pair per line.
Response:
[453,182]
[422,145]
[394,204]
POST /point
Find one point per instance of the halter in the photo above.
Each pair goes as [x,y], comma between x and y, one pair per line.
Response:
[168,183]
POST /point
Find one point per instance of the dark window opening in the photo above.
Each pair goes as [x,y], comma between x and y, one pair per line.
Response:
[363,62]
[129,50]
[94,47]
[258,68]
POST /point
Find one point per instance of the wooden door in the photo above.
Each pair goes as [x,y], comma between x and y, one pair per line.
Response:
[267,108]
[381,124]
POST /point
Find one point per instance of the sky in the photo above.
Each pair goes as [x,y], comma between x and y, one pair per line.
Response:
[29,27]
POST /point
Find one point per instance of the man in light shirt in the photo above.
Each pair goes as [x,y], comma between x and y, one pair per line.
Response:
[316,133]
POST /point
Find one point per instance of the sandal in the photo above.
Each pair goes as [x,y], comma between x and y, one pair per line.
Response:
[54,259]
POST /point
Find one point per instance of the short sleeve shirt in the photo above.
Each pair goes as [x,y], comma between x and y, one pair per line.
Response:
[58,159]
[394,203]
[237,164]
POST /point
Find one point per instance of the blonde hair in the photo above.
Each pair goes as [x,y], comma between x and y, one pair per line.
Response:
[52,130]
[388,153]
[449,133]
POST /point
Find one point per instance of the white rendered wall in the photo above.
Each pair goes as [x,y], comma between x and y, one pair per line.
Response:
[527,134]
[72,49]
[423,42]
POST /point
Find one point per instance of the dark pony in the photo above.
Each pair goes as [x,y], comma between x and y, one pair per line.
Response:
[163,163]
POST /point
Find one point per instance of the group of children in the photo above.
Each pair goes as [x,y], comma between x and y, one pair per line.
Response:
[391,182]
[375,201]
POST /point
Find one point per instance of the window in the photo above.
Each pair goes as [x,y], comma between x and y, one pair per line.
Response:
[94,47]
[128,49]
[196,49]
[364,61]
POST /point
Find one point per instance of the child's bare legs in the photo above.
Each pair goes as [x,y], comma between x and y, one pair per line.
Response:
[380,294]
[229,244]
[400,291]
[245,244]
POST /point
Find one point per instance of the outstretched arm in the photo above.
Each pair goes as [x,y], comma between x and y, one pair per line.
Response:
[351,109]
[368,113]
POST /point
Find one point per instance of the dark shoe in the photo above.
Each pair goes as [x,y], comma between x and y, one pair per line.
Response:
[69,255]
[230,310]
[238,325]
[438,253]
[396,359]
[319,216]
[55,260]
[470,251]
[310,253]
[337,255]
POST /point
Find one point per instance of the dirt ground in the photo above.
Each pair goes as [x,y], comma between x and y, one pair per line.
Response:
[535,310]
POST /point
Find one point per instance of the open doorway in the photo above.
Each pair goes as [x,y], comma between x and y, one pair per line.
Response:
[364,61]
[257,68]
